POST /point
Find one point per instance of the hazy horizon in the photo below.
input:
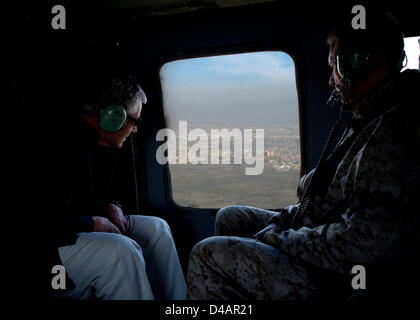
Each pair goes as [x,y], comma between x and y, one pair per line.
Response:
[253,88]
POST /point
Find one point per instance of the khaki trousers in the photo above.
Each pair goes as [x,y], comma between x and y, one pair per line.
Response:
[142,265]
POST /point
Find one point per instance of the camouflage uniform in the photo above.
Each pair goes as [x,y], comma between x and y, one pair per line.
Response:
[368,214]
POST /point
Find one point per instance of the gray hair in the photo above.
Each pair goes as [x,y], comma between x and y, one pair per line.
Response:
[112,90]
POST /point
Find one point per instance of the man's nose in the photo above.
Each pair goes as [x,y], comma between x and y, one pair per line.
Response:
[134,129]
[332,81]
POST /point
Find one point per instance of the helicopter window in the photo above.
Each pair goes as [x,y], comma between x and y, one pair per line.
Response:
[232,133]
[412,50]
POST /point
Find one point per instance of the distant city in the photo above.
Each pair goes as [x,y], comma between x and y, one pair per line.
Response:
[281,147]
[214,186]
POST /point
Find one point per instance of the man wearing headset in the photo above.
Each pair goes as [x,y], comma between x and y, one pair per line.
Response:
[105,252]
[359,204]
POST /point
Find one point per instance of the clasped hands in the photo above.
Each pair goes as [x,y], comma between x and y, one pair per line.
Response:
[115,222]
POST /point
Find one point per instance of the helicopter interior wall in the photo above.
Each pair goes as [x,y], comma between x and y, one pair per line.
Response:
[180,37]
[48,63]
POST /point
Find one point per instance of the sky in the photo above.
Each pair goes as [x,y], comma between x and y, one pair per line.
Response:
[229,89]
[412,50]
[221,88]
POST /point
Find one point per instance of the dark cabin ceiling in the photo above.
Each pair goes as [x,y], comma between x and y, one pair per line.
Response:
[164,7]
[324,10]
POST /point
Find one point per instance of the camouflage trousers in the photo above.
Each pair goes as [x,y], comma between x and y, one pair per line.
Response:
[232,265]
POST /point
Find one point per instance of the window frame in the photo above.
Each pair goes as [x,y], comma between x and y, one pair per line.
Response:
[295,55]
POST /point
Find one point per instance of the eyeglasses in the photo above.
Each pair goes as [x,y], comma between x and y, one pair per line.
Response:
[134,122]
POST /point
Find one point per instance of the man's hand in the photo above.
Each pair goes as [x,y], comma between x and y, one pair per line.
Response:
[102,224]
[116,216]
[260,235]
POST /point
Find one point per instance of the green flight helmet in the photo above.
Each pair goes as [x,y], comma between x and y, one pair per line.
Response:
[353,63]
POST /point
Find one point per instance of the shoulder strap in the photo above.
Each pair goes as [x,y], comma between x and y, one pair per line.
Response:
[309,192]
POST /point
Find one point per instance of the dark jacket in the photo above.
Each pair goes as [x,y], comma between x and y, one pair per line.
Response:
[82,174]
